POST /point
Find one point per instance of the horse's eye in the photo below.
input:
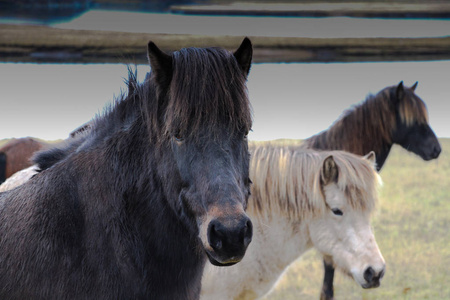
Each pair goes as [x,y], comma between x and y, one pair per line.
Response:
[178,137]
[337,211]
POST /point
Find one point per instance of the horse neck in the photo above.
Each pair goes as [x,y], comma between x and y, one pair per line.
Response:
[347,134]
[135,200]
[278,238]
[288,239]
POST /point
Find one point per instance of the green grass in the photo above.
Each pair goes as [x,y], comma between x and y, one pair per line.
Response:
[411,228]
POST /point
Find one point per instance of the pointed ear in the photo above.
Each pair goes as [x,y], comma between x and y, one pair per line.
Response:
[244,55]
[413,88]
[329,171]
[371,157]
[161,64]
[400,93]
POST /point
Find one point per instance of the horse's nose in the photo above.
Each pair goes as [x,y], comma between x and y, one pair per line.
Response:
[373,277]
[230,240]
[436,151]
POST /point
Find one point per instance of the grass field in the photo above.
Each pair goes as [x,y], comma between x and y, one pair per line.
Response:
[412,230]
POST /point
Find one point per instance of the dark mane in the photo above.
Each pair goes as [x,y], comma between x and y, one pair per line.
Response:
[370,125]
[199,102]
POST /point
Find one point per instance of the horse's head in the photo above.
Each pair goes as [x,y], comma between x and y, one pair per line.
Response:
[413,131]
[342,230]
[201,119]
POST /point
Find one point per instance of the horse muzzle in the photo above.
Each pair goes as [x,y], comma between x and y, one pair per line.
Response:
[372,278]
[228,240]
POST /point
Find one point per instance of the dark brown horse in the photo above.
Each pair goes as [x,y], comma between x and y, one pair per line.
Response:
[16,154]
[396,115]
[158,184]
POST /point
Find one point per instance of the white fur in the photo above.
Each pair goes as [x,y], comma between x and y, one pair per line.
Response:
[278,240]
[19,178]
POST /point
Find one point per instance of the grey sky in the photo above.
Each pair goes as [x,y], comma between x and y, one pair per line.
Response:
[289,100]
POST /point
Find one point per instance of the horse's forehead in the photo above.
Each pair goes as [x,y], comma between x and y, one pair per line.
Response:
[335,197]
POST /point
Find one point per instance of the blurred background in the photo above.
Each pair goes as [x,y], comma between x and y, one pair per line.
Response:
[62,61]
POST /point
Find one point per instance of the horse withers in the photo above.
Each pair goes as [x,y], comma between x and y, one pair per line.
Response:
[158,185]
[303,199]
[395,115]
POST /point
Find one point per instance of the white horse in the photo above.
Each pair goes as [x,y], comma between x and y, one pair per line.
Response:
[19,178]
[303,199]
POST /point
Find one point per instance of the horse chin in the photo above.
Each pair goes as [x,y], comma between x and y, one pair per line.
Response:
[428,157]
[371,285]
[216,263]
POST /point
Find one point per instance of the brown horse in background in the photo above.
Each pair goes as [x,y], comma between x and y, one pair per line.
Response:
[395,115]
[16,154]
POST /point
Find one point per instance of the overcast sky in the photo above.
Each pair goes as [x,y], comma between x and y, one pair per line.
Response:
[289,100]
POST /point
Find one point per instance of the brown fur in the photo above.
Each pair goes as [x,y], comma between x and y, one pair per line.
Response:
[18,153]
[370,125]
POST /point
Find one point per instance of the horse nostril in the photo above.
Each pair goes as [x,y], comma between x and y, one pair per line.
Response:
[369,274]
[248,232]
[437,151]
[216,235]
[381,273]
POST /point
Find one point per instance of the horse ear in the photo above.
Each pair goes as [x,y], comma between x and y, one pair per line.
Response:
[414,86]
[244,55]
[371,157]
[329,171]
[400,93]
[160,62]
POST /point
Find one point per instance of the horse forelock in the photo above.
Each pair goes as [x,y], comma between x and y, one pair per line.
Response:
[412,109]
[358,179]
[207,91]
[287,180]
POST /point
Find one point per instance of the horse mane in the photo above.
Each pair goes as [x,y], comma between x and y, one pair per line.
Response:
[209,88]
[216,97]
[375,117]
[287,180]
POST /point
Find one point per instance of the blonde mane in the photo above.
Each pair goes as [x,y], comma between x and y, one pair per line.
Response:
[287,180]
